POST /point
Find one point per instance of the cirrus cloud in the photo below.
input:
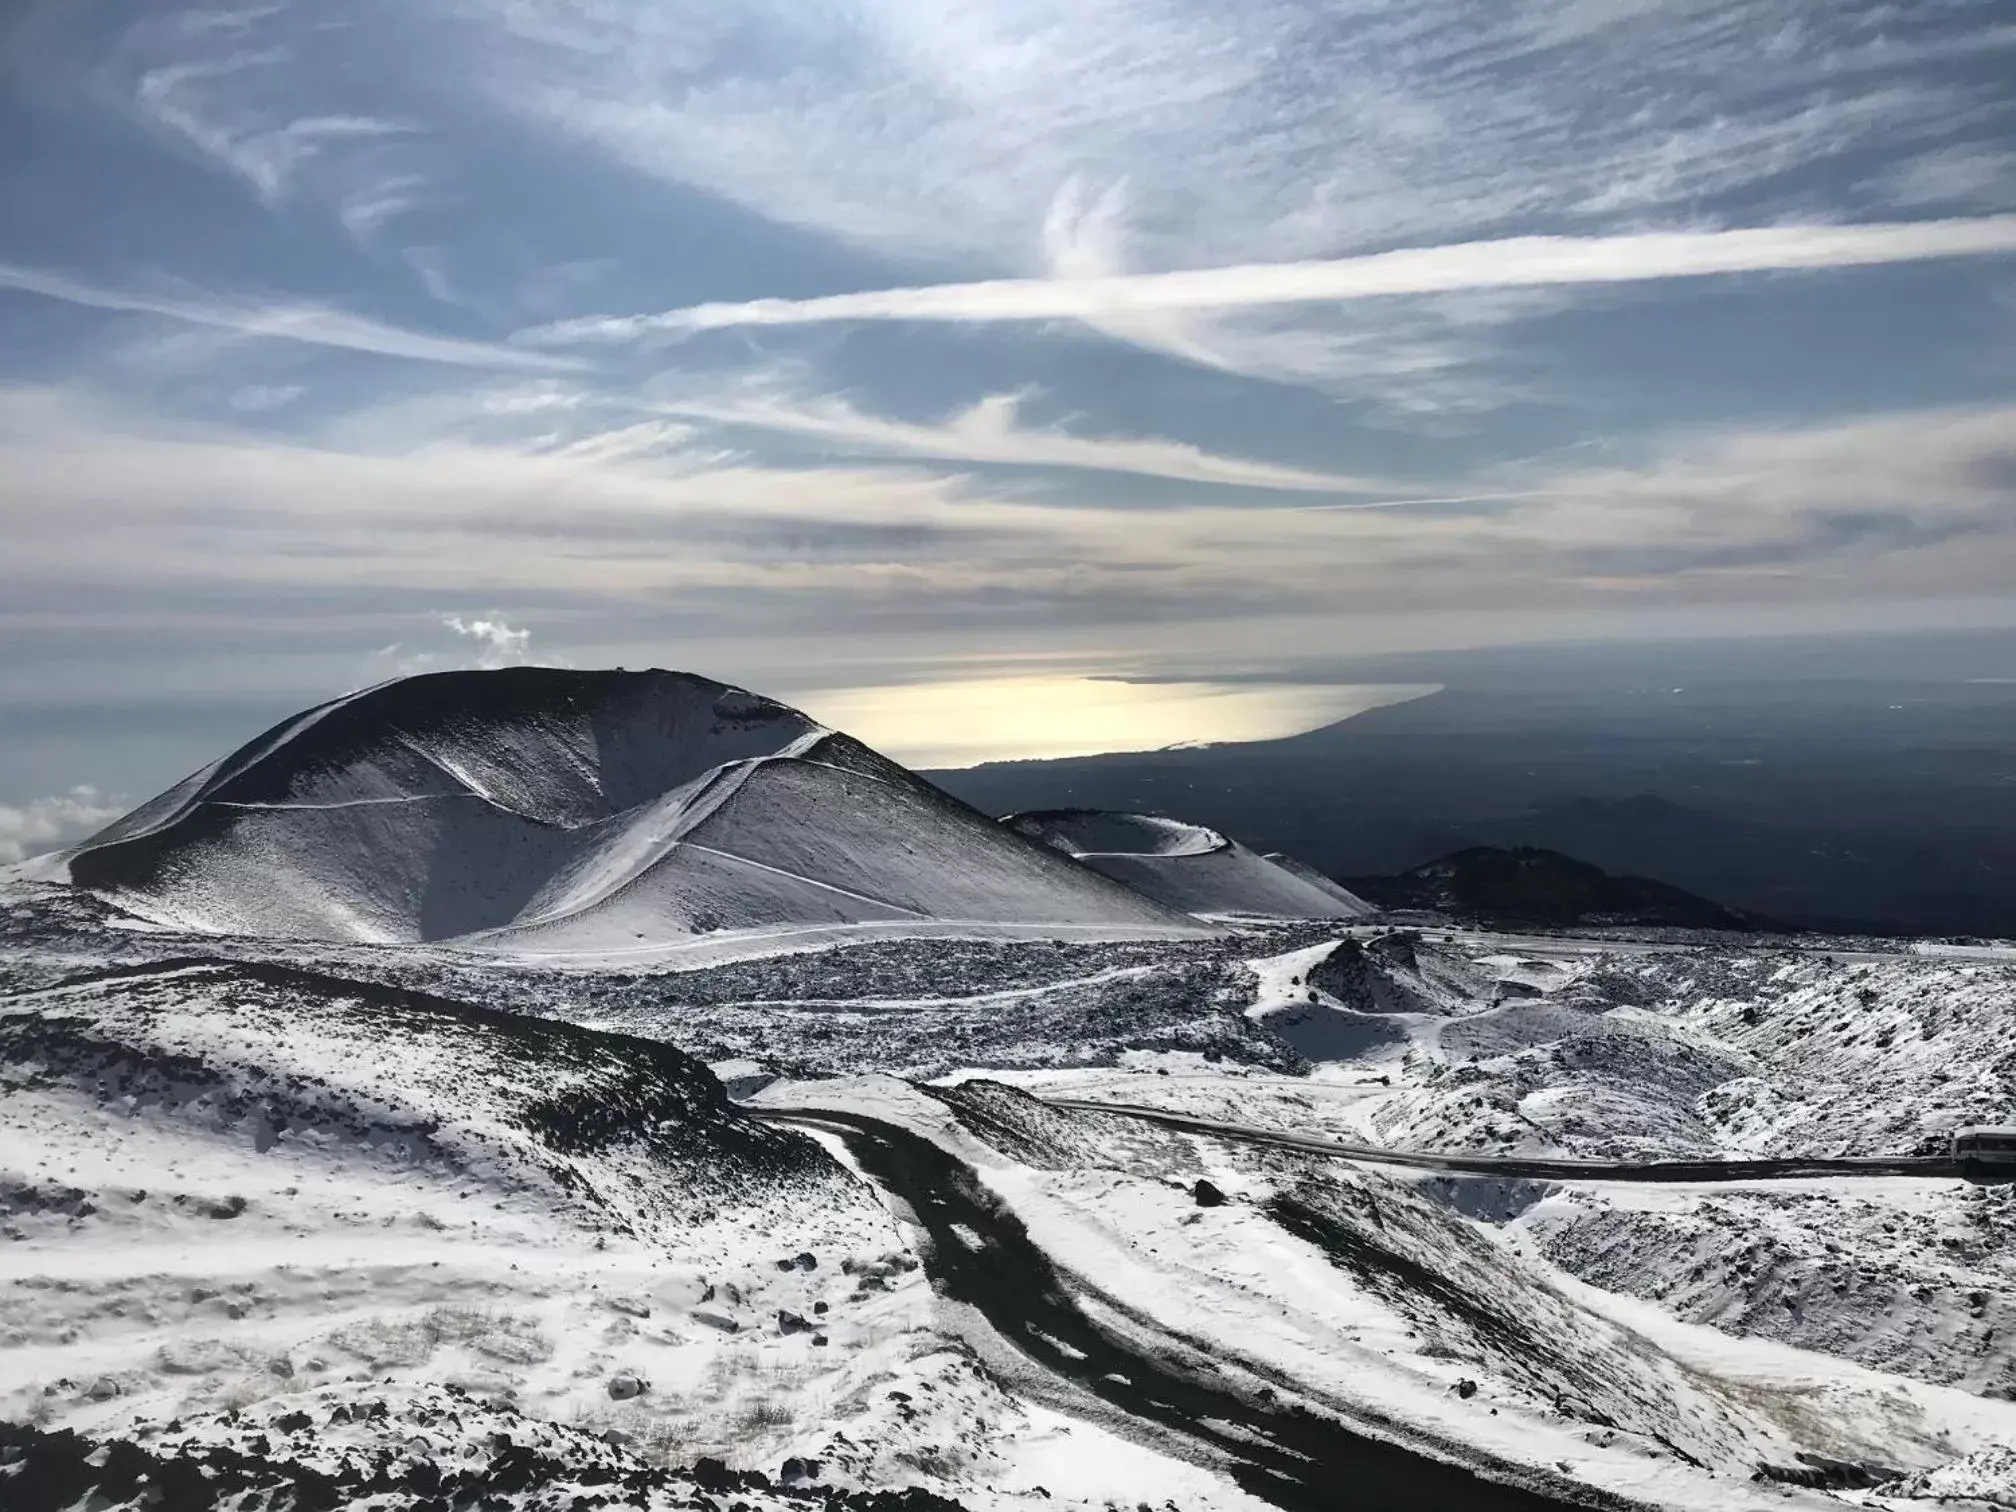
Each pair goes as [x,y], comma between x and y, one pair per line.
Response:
[1516,263]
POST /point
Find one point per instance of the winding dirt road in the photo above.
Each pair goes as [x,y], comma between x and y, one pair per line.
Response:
[1533,1168]
[1301,1460]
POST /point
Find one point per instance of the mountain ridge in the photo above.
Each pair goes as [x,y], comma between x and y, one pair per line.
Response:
[582,809]
[1530,884]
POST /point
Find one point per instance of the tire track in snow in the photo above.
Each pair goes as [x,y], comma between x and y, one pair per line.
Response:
[1286,1455]
[1540,1168]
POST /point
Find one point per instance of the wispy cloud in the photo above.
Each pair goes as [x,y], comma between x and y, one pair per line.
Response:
[44,823]
[1901,504]
[699,433]
[228,85]
[932,132]
[1058,142]
[1969,176]
[502,645]
[312,324]
[1421,358]
[266,157]
[992,431]
[367,208]
[264,398]
[1422,502]
[1519,262]
[488,643]
[231,451]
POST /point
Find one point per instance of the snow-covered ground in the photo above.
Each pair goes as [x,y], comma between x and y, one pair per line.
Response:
[1370,1300]
[327,1210]
[1710,1051]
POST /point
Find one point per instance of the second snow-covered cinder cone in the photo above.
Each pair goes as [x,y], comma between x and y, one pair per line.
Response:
[1189,867]
[574,810]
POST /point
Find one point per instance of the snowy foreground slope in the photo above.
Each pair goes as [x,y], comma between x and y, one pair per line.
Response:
[406,1226]
[562,811]
[366,1140]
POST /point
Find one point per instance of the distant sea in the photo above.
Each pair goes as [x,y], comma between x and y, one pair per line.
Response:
[1037,717]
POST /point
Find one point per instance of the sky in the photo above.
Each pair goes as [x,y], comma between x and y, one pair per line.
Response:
[844,347]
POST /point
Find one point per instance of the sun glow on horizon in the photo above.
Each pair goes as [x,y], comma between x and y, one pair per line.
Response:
[1038,717]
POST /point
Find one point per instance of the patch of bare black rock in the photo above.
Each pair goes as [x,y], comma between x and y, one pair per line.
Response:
[279,1466]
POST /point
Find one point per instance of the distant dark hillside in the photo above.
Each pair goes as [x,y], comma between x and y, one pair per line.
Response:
[1850,794]
[1529,886]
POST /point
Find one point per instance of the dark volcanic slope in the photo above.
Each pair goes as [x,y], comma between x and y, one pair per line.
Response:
[585,810]
[1530,886]
[391,1451]
[1189,867]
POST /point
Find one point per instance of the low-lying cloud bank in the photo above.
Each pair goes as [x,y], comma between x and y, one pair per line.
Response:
[43,824]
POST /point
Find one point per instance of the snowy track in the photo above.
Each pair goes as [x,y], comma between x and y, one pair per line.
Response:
[1607,944]
[980,1254]
[1677,1171]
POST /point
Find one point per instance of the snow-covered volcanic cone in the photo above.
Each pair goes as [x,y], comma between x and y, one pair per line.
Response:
[580,810]
[1189,867]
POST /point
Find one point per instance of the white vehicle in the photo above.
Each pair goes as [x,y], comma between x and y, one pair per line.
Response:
[1986,1152]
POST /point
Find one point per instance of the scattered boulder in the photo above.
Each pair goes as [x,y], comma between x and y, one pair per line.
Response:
[1580,1408]
[198,1356]
[626,1384]
[636,1307]
[790,1323]
[1819,1472]
[1986,1477]
[1206,1194]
